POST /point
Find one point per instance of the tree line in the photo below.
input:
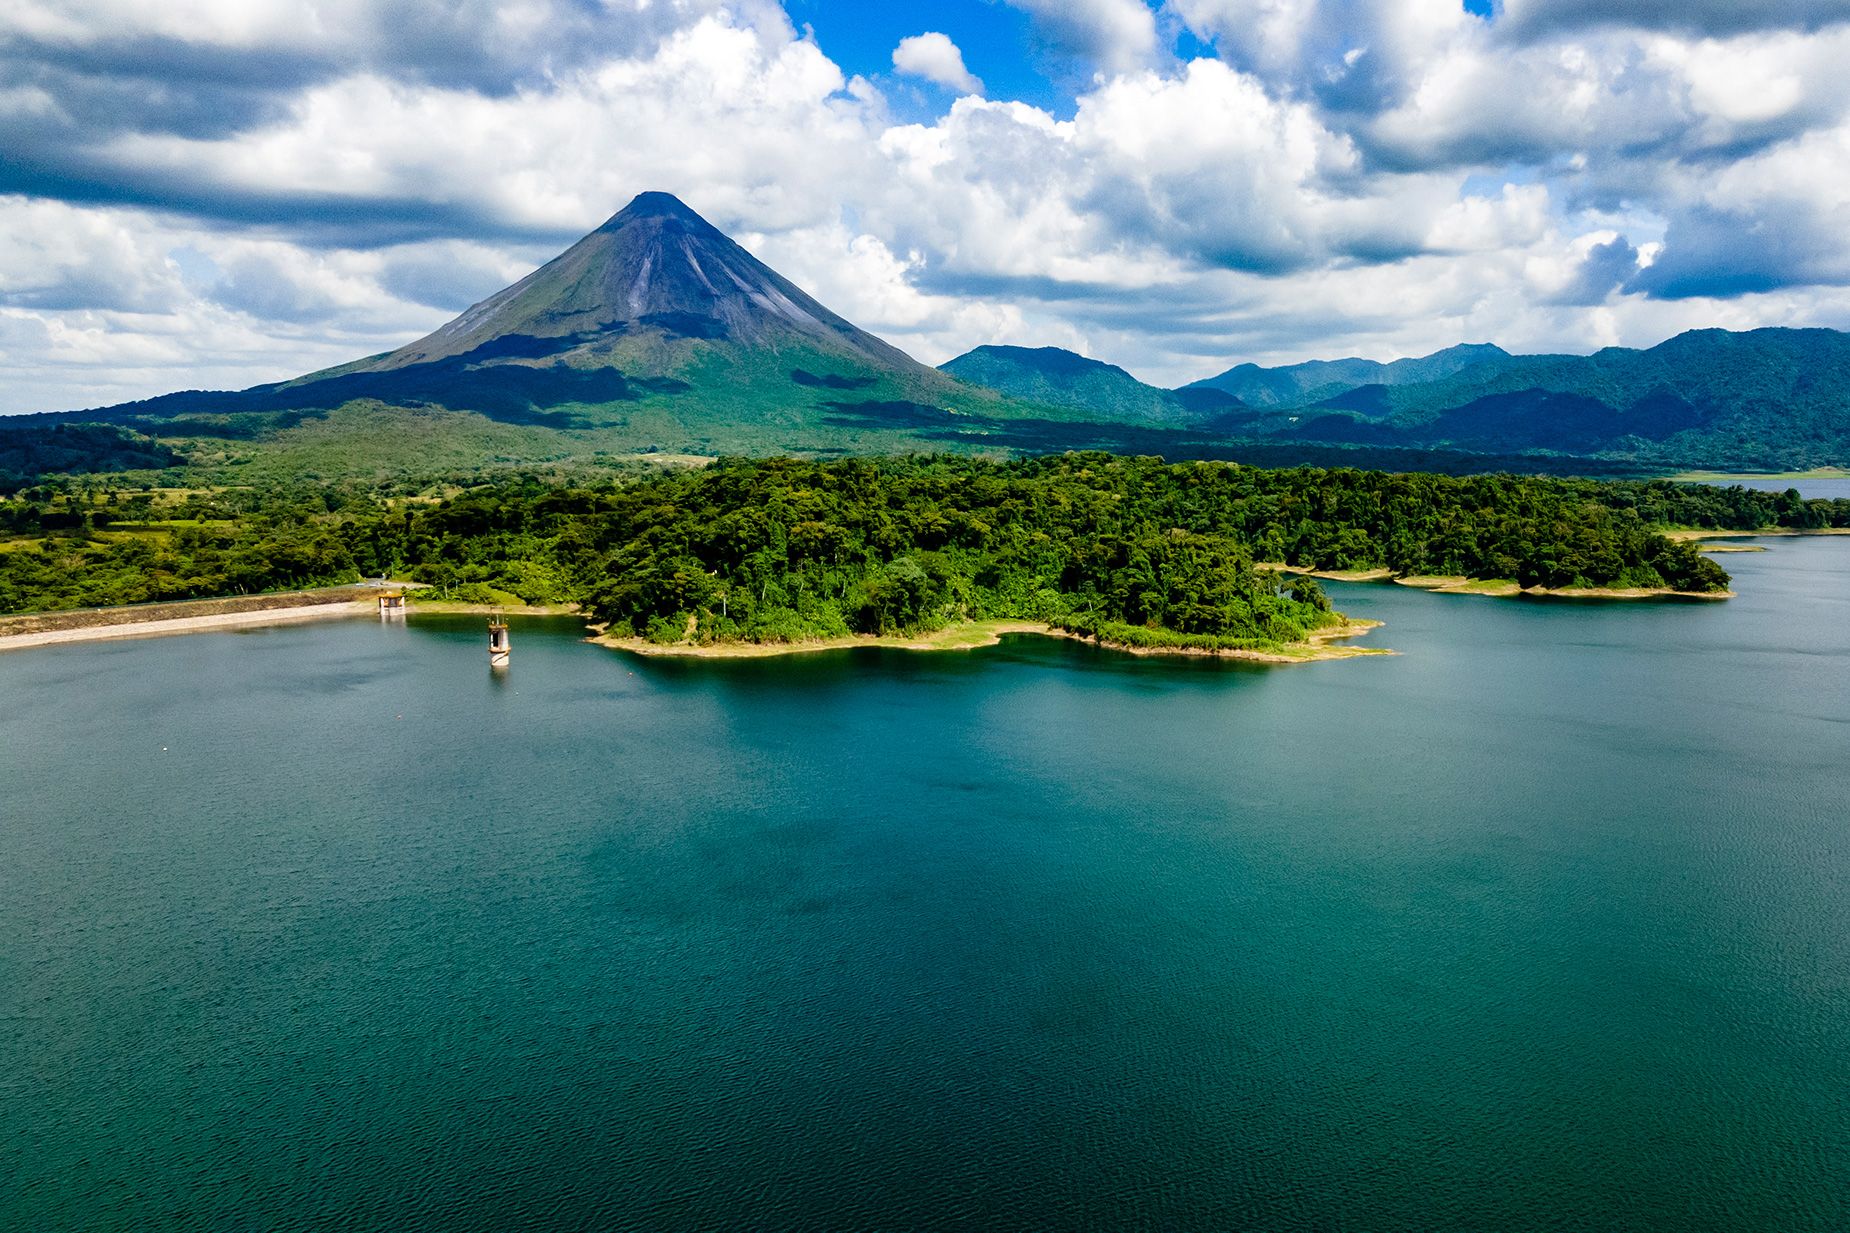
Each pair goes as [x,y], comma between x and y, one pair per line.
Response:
[786,549]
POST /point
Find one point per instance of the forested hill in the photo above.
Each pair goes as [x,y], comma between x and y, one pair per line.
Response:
[787,549]
[30,451]
[1306,384]
[1056,378]
[1774,399]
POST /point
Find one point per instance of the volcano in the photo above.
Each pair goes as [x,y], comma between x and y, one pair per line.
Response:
[655,332]
[656,275]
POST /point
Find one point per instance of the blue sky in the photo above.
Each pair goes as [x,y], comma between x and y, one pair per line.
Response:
[219,192]
[997,41]
[1001,44]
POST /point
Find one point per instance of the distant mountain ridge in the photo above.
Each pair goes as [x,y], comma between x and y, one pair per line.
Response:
[1059,378]
[1315,380]
[1066,379]
[1771,399]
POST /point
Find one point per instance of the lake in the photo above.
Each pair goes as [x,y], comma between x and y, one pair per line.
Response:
[1542,924]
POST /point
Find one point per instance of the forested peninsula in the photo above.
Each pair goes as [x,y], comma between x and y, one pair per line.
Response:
[1131,551]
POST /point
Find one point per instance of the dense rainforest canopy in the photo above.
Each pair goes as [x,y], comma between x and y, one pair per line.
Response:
[780,549]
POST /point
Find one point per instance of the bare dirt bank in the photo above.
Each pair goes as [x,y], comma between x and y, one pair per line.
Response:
[150,626]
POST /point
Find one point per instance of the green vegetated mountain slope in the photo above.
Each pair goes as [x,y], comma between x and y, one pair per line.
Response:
[1771,399]
[655,332]
[1059,378]
[35,449]
[1315,380]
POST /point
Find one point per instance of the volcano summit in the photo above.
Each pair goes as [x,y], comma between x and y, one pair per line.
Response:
[648,284]
[655,332]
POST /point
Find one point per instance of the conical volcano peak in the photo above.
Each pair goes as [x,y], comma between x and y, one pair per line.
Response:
[651,286]
[652,205]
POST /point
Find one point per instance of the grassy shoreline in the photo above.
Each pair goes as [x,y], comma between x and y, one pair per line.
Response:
[1722,477]
[447,607]
[1495,588]
[969,635]
[1700,533]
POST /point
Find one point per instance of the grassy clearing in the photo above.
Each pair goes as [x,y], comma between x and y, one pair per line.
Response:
[1698,533]
[515,607]
[1723,477]
[970,635]
[171,524]
[1448,585]
[962,636]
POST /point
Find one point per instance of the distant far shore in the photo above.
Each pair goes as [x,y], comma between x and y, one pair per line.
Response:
[1724,477]
[1697,533]
[1496,588]
[969,635]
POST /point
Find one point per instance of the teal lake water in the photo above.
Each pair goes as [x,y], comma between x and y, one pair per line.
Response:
[1543,924]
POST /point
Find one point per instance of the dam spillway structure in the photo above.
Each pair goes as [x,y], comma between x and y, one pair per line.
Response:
[498,648]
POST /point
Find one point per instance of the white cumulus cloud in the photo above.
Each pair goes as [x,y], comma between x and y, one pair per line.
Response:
[208,193]
[936,58]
